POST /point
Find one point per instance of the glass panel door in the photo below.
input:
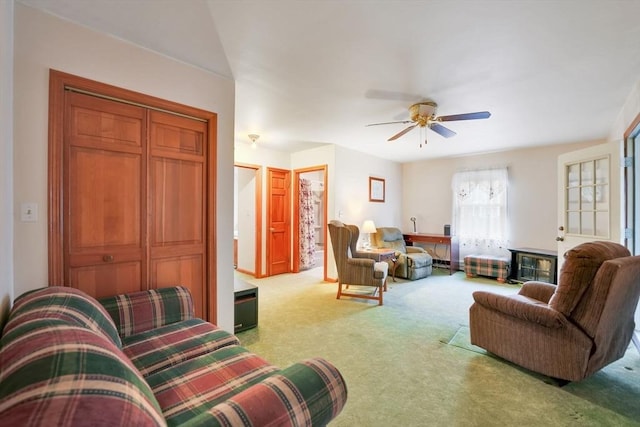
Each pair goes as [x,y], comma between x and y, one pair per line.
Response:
[587,196]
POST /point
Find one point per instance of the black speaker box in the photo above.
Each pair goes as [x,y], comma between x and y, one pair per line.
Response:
[447,230]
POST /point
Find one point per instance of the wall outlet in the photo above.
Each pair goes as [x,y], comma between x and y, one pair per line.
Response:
[29,212]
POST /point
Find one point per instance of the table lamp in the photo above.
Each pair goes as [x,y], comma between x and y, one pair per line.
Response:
[368,227]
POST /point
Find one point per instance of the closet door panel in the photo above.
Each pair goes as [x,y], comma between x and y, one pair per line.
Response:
[185,270]
[106,280]
[177,189]
[176,186]
[104,183]
[104,199]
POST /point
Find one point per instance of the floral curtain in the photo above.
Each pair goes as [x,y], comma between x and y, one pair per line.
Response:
[480,219]
[307,224]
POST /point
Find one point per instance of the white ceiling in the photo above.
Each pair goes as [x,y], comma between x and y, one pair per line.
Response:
[313,72]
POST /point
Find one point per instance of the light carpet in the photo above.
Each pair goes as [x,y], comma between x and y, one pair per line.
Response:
[410,361]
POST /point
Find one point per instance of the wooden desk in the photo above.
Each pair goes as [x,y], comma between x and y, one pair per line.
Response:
[438,239]
[376,254]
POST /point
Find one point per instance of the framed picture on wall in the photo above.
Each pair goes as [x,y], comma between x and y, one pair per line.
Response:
[376,189]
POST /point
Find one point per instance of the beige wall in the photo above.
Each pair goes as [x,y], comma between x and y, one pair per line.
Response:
[532,191]
[6,158]
[348,182]
[260,156]
[43,42]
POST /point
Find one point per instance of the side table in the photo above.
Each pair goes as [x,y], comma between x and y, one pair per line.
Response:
[381,254]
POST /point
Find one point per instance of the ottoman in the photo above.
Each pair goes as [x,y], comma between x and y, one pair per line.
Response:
[487,265]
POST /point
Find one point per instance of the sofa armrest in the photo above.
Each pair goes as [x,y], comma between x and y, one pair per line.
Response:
[366,263]
[361,267]
[309,393]
[538,290]
[145,310]
[415,250]
[521,307]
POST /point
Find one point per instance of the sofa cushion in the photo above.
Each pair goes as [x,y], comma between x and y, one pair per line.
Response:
[390,237]
[578,271]
[67,304]
[154,350]
[145,310]
[60,374]
[390,234]
[285,399]
[197,385]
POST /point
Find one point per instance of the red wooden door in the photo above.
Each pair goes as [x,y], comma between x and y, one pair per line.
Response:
[278,221]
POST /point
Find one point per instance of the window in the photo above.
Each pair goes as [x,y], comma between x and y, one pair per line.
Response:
[587,195]
[480,211]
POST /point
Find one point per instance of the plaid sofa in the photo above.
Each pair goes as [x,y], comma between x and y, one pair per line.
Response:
[142,359]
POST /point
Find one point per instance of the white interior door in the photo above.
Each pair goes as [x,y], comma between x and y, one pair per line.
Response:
[245,219]
[589,196]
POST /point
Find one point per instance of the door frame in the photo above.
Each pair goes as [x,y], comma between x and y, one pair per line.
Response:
[630,188]
[631,200]
[257,273]
[59,82]
[296,216]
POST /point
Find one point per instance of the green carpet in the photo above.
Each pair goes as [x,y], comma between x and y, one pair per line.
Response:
[410,362]
[462,340]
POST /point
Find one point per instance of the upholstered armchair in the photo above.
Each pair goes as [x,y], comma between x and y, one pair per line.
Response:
[412,262]
[355,271]
[570,331]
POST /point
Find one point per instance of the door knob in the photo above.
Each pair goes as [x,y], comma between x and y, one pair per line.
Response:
[107,258]
[272,229]
[561,228]
[559,239]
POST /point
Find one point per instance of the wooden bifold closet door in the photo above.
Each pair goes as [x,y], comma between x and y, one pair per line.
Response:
[134,208]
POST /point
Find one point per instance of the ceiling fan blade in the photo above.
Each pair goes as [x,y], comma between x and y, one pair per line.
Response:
[466,116]
[402,132]
[388,123]
[446,132]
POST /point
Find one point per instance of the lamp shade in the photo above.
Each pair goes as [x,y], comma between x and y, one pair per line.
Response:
[368,226]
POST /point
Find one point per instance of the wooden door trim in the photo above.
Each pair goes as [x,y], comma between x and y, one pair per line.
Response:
[58,83]
[258,208]
[296,215]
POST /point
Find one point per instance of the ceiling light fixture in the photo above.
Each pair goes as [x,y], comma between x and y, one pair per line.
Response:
[253,137]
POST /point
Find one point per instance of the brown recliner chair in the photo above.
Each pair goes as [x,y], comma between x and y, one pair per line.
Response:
[355,271]
[570,331]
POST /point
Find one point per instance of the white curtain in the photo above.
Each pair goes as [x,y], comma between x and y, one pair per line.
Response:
[480,218]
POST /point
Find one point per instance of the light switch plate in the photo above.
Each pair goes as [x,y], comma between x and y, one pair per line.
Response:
[29,212]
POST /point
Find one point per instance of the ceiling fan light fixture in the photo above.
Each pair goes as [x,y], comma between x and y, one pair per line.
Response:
[422,112]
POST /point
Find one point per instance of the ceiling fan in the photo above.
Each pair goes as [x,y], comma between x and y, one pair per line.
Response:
[423,114]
